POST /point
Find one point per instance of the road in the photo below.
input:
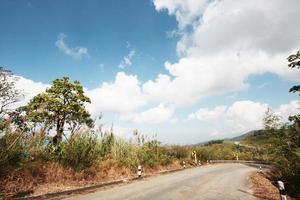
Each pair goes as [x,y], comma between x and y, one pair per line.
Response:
[220,181]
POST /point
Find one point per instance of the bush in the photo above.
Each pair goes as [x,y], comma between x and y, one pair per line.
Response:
[12,151]
[80,152]
[107,143]
[153,153]
[125,153]
[179,152]
[149,154]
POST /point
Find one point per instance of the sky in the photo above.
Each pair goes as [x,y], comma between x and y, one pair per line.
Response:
[187,71]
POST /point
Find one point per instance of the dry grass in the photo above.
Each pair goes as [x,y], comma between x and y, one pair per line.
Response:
[158,168]
[52,177]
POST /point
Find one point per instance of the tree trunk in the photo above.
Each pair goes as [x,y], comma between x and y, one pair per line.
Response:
[59,132]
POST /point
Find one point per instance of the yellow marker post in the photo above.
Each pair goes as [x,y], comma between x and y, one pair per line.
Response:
[194,153]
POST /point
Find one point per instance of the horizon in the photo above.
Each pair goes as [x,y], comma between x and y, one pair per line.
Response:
[174,69]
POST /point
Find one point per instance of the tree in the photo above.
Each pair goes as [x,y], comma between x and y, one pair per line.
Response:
[8,93]
[271,120]
[294,62]
[60,106]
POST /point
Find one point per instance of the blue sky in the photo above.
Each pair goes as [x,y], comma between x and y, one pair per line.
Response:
[105,27]
[189,71]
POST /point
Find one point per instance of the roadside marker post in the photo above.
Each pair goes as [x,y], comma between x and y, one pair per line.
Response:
[183,163]
[194,154]
[281,190]
[139,171]
[260,169]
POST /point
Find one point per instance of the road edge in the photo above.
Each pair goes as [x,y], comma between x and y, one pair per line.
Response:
[97,186]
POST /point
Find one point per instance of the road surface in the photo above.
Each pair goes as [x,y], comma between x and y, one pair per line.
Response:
[221,181]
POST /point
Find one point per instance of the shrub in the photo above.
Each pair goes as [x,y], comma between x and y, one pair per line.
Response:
[12,151]
[107,143]
[80,152]
[179,152]
[125,153]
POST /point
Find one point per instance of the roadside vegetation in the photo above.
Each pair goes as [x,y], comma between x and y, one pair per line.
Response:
[54,140]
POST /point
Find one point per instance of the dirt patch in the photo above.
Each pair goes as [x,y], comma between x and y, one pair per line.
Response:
[262,187]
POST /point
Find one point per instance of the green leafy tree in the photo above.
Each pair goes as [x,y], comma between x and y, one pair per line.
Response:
[61,106]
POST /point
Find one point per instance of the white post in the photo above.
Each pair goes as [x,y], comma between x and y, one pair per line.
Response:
[183,162]
[139,172]
[199,162]
[207,162]
[195,159]
[281,190]
[260,169]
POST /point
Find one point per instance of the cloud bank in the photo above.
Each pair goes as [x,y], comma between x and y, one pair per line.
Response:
[224,42]
[242,116]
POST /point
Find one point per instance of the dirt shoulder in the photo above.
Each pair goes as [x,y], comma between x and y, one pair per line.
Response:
[262,187]
[52,178]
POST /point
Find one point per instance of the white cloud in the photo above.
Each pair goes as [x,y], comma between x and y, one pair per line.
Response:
[228,41]
[207,115]
[242,116]
[128,44]
[158,114]
[286,110]
[120,131]
[75,52]
[127,60]
[172,34]
[239,117]
[186,11]
[29,89]
[123,95]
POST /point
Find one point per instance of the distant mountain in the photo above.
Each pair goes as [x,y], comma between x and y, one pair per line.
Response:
[210,142]
[244,136]
[237,138]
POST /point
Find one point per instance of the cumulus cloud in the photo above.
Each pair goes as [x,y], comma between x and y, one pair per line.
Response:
[125,97]
[286,110]
[158,114]
[186,11]
[205,114]
[29,89]
[122,95]
[242,116]
[224,42]
[127,60]
[221,44]
[75,52]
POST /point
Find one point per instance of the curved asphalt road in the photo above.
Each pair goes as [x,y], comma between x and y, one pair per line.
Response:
[221,181]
